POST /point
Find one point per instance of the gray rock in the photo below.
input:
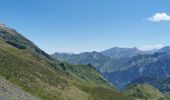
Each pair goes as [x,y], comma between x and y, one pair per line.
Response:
[9,91]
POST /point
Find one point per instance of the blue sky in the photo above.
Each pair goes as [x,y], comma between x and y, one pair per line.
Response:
[88,25]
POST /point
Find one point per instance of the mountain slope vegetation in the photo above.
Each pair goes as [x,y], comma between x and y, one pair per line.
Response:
[10,91]
[142,75]
[143,92]
[116,63]
[24,64]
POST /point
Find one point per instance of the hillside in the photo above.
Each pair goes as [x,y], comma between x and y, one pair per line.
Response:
[155,66]
[24,64]
[143,92]
[134,66]
[96,59]
[9,91]
[106,61]
[162,84]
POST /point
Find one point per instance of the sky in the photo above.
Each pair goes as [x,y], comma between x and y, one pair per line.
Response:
[89,25]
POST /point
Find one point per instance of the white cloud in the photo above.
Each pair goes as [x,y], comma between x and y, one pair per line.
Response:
[151,47]
[160,17]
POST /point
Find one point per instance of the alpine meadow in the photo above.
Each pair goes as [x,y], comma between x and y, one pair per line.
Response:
[84,50]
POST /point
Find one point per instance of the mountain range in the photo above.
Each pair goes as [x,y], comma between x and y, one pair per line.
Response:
[123,66]
[29,73]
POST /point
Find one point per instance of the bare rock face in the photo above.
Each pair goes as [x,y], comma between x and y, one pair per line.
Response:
[9,91]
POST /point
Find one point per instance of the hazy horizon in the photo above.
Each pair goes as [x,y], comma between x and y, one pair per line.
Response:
[90,25]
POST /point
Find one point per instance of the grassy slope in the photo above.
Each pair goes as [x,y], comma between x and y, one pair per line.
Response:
[10,91]
[143,92]
[47,79]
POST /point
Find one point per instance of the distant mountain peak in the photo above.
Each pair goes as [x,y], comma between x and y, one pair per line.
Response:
[2,25]
[165,49]
[135,48]
[119,52]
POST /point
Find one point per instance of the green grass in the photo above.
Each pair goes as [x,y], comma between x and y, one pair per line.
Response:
[144,92]
[35,72]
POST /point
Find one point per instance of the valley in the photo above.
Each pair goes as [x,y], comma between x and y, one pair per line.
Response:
[125,66]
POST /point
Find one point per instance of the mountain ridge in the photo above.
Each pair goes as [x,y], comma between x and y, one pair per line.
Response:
[29,67]
[133,67]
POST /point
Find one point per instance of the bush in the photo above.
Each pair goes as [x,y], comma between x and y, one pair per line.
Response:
[63,66]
